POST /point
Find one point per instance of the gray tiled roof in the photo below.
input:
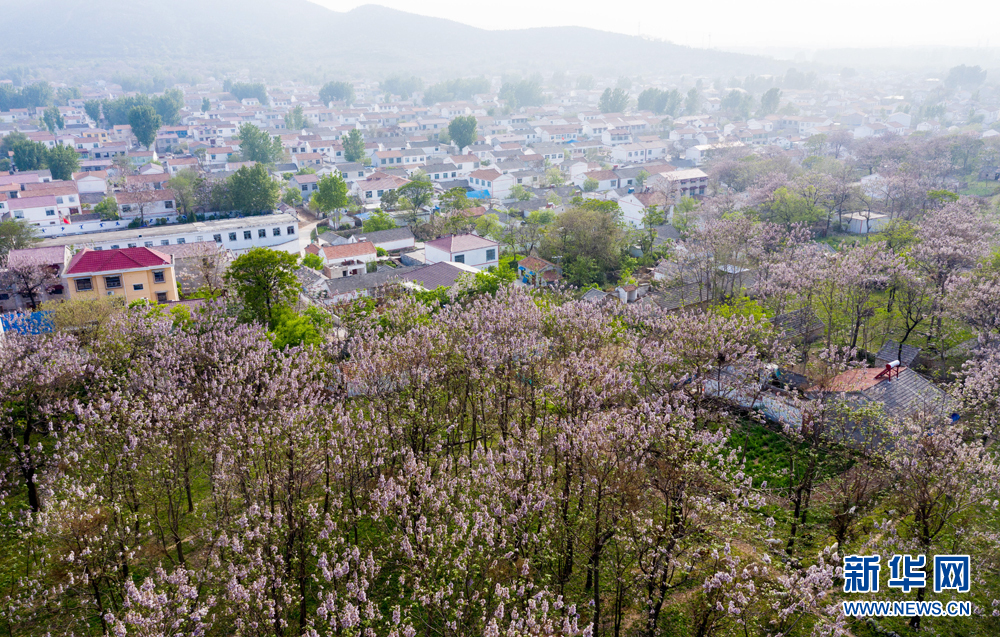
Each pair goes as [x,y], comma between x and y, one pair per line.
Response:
[679,296]
[890,351]
[909,392]
[798,323]
[384,236]
[367,281]
[435,275]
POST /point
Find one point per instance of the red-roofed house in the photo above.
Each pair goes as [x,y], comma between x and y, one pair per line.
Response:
[133,273]
[347,259]
[469,249]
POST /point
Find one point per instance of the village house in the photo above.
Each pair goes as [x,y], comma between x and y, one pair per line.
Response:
[470,249]
[347,259]
[132,273]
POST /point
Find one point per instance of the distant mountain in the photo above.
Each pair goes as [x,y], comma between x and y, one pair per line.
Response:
[292,38]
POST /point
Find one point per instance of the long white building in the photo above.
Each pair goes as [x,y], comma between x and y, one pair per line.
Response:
[278,232]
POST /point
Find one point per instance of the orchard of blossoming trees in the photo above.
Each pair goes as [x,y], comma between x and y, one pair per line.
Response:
[508,463]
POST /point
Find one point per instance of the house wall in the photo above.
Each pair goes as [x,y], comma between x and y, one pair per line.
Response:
[475,258]
[129,279]
[190,233]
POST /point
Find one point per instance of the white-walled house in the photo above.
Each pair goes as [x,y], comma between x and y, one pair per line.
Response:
[632,209]
[148,204]
[277,232]
[498,184]
[606,179]
[470,249]
[91,182]
[306,184]
[42,210]
[346,259]
[866,222]
[389,240]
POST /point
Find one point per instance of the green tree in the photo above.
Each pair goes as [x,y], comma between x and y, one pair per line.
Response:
[93,109]
[640,179]
[462,130]
[264,282]
[787,208]
[590,184]
[554,177]
[648,99]
[586,82]
[187,186]
[489,226]
[378,220]
[583,271]
[252,190]
[592,229]
[62,162]
[145,121]
[613,101]
[652,218]
[313,261]
[389,199]
[206,105]
[292,197]
[15,235]
[337,92]
[108,209]
[683,219]
[168,106]
[292,329]
[295,119]
[258,145]
[29,155]
[520,193]
[53,119]
[330,196]
[354,145]
[417,193]
[693,102]
[770,101]
[455,200]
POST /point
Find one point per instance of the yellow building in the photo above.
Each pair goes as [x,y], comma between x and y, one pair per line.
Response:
[133,273]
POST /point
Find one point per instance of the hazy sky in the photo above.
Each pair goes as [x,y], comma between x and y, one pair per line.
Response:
[733,23]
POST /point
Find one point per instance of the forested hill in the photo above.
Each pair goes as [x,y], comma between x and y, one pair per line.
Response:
[298,36]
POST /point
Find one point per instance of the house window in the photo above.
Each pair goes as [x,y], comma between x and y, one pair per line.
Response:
[126,208]
[275,232]
[232,236]
[459,258]
[491,254]
[131,245]
[115,246]
[165,242]
[59,199]
[50,213]
[4,296]
[368,194]
[111,282]
[180,241]
[290,230]
[217,237]
[82,285]
[168,204]
[161,297]
[158,276]
[137,287]
[149,244]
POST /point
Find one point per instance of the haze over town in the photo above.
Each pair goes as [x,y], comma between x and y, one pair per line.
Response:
[511,320]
